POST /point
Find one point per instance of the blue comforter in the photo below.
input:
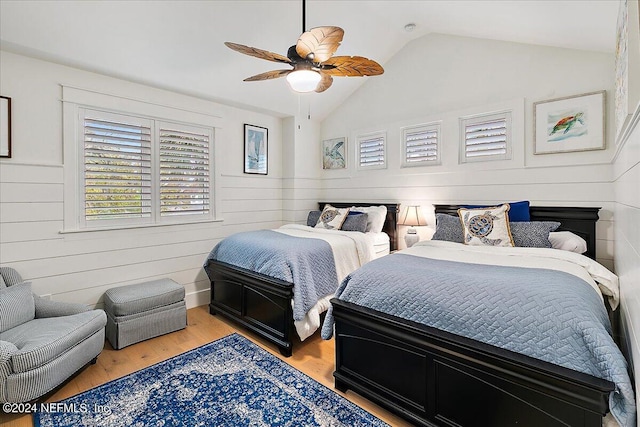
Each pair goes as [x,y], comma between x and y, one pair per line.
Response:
[546,314]
[306,262]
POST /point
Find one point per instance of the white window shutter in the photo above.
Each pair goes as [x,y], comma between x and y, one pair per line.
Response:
[184,170]
[372,151]
[421,145]
[139,171]
[117,167]
[486,137]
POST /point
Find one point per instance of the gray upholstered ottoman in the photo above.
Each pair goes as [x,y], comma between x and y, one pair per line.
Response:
[145,310]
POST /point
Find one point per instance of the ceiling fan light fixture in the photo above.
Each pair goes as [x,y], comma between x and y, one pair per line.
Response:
[314,65]
[303,80]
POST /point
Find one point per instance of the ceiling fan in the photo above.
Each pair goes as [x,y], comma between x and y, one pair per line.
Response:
[314,65]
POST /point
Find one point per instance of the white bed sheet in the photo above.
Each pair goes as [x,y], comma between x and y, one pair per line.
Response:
[381,244]
[351,250]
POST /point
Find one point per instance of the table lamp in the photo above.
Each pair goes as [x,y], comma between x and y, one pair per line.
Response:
[413,217]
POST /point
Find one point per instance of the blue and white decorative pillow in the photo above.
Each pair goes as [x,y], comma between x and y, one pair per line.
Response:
[332,218]
[486,226]
[533,234]
[312,218]
[518,211]
[448,228]
[355,221]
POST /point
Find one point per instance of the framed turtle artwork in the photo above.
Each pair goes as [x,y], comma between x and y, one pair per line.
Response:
[572,123]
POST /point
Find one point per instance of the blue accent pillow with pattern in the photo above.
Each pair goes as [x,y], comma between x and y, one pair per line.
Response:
[531,234]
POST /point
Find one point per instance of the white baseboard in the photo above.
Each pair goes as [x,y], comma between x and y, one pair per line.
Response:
[198,298]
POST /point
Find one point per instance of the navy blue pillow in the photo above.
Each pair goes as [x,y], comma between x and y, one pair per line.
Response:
[518,211]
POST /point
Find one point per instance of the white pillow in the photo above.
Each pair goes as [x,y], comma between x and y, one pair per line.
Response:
[486,226]
[567,241]
[376,216]
[332,218]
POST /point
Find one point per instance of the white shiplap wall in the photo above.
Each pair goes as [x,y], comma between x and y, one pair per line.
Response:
[627,239]
[301,181]
[425,82]
[81,266]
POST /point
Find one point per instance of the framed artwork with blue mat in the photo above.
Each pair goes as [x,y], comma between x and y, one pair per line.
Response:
[229,382]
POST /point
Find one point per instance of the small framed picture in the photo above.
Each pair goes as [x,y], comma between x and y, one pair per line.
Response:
[573,123]
[256,149]
[5,127]
[334,153]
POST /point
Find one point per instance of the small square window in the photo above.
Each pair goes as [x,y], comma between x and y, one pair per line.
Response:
[485,137]
[421,145]
[372,150]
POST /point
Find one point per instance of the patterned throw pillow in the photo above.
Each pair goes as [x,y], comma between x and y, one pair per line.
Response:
[448,228]
[356,221]
[533,234]
[518,211]
[486,226]
[332,218]
[312,218]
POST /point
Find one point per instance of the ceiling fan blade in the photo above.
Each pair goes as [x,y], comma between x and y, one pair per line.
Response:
[325,82]
[320,42]
[268,75]
[351,66]
[258,53]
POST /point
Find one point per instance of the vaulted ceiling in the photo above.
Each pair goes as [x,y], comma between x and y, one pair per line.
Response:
[178,45]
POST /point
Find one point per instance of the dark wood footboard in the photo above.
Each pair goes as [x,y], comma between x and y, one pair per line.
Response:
[434,378]
[260,303]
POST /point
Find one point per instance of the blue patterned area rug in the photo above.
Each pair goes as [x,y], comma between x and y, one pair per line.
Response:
[229,382]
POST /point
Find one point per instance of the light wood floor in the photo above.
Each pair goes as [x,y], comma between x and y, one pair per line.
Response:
[315,357]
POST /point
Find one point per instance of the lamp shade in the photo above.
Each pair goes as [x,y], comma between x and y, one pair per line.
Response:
[412,216]
[303,80]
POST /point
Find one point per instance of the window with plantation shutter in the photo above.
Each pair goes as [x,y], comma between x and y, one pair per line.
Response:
[421,145]
[143,171]
[485,137]
[372,151]
[184,171]
[117,167]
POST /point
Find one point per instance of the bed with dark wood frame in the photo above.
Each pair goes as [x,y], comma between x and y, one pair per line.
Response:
[261,303]
[434,378]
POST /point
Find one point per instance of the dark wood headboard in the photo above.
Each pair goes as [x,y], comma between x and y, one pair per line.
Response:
[390,223]
[578,220]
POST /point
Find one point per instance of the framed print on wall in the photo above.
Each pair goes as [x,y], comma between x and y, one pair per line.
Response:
[334,153]
[256,149]
[573,123]
[627,64]
[5,127]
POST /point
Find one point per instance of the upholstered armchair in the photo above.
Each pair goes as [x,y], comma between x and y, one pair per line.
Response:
[42,342]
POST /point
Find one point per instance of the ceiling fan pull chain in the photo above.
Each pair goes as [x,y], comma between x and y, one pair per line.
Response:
[304,14]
